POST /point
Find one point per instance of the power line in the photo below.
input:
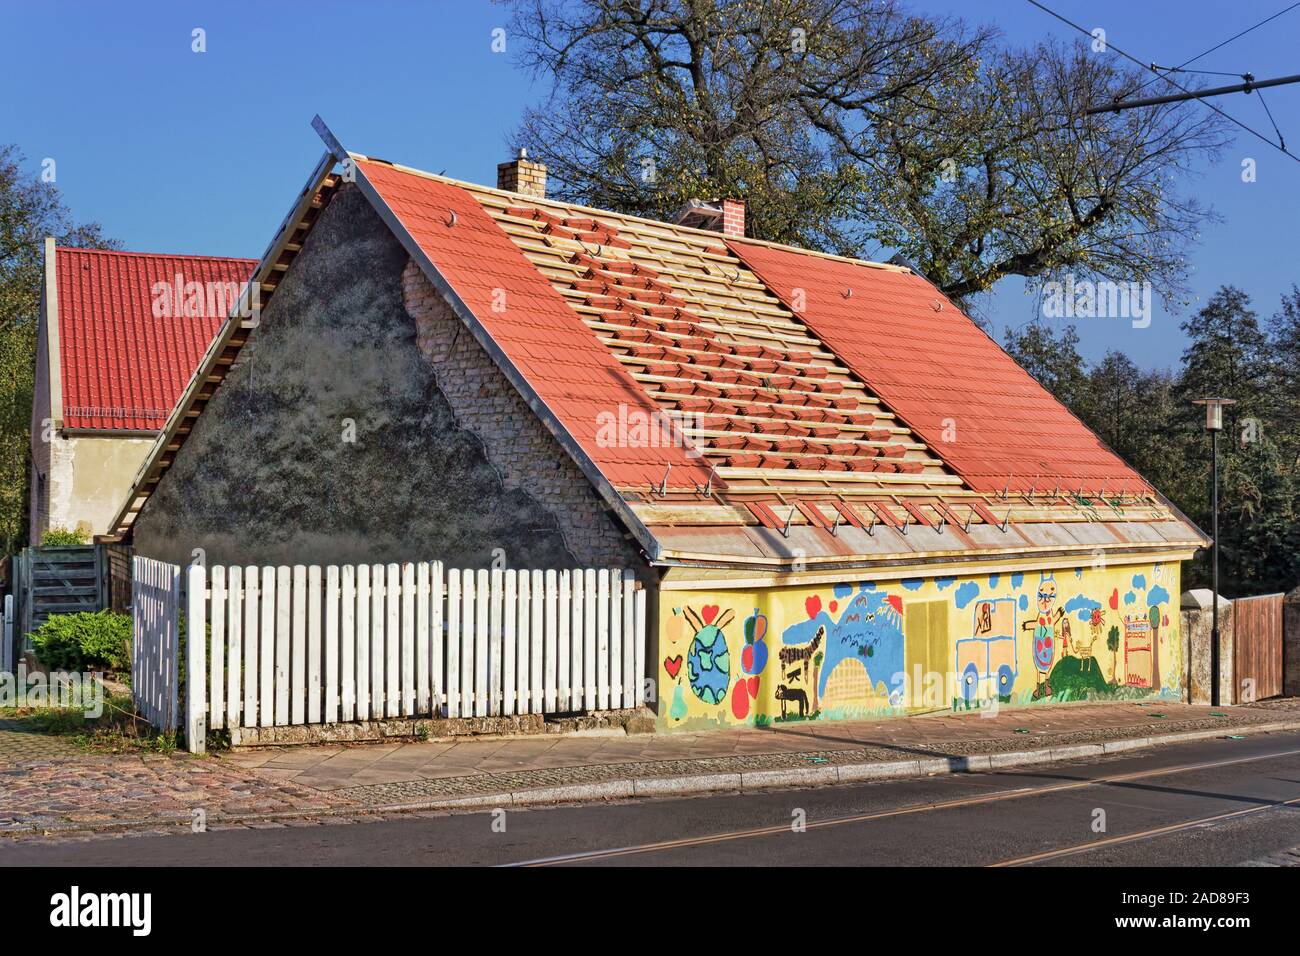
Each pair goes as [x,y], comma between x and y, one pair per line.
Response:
[1217,46]
[1251,85]
[1135,60]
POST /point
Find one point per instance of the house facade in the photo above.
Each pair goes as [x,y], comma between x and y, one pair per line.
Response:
[116,345]
[844,498]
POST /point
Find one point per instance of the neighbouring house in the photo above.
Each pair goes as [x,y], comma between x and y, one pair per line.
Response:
[844,498]
[116,346]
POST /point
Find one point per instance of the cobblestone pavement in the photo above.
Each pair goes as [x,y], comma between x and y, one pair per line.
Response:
[65,791]
[18,741]
[79,790]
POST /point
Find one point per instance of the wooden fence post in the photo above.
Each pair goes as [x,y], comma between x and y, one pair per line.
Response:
[7,636]
[195,662]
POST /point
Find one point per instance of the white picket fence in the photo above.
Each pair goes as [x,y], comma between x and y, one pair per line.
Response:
[7,636]
[156,616]
[313,645]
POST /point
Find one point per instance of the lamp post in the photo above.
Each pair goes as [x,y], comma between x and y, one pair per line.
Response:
[1214,424]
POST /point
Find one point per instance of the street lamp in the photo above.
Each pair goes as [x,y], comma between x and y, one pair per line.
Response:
[1214,425]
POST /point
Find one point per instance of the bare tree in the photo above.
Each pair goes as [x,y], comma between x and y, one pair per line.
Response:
[851,125]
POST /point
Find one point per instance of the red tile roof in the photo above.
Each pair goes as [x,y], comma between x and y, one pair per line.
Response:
[562,361]
[124,367]
[941,374]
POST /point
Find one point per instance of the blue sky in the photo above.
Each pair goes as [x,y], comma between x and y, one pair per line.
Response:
[174,151]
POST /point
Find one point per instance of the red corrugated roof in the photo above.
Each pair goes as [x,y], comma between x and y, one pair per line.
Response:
[941,374]
[123,366]
[562,360]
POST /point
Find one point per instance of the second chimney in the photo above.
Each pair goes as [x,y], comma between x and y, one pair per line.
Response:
[726,216]
[522,176]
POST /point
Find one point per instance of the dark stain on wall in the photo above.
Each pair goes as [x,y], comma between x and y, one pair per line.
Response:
[268,475]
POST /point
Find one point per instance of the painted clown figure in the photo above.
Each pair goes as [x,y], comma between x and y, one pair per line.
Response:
[1044,628]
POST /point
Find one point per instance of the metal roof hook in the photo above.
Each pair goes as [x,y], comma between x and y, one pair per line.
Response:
[663,485]
[1006,522]
[785,532]
[847,293]
[454,218]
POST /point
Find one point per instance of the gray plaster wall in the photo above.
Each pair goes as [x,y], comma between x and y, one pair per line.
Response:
[269,474]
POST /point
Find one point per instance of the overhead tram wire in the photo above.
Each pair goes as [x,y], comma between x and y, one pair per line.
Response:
[1167,79]
[1217,46]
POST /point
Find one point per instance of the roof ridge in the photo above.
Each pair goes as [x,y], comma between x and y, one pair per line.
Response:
[151,255]
[716,237]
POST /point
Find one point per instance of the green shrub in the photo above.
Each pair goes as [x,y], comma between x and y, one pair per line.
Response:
[75,642]
[63,538]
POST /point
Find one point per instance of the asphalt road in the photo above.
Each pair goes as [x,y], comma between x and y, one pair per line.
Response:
[1218,802]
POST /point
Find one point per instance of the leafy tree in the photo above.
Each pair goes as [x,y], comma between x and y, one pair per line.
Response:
[30,210]
[1284,384]
[848,125]
[1229,356]
[1052,358]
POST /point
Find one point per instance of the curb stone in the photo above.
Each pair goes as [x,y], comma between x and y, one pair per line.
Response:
[846,773]
[684,785]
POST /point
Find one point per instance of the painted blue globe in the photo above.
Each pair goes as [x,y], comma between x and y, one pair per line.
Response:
[708,665]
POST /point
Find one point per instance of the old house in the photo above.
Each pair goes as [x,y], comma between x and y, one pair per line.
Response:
[844,498]
[117,342]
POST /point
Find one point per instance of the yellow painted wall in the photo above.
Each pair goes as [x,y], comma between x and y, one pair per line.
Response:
[861,650]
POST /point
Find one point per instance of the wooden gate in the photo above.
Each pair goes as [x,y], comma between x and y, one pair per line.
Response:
[63,580]
[1257,647]
[156,609]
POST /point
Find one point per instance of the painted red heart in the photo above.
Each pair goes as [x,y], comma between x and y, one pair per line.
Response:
[813,606]
[673,665]
[1114,600]
[709,612]
[753,687]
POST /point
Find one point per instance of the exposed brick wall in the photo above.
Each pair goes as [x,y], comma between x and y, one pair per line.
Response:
[524,453]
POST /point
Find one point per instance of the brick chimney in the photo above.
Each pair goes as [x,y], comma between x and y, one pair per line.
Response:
[522,176]
[726,216]
[733,218]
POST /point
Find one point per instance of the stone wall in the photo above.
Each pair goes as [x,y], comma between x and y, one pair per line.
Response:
[341,435]
[1198,617]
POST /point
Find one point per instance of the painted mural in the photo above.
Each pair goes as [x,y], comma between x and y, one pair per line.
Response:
[868,649]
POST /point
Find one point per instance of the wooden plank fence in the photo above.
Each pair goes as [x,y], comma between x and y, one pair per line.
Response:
[308,645]
[155,657]
[1257,647]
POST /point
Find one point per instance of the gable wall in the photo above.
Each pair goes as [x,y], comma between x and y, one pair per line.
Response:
[335,439]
